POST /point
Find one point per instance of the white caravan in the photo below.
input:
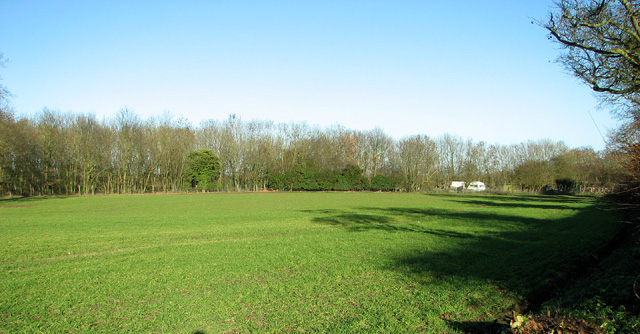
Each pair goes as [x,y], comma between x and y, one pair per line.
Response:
[457,186]
[477,186]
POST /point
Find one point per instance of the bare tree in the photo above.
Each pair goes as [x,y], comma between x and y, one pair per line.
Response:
[375,152]
[4,92]
[91,143]
[451,155]
[169,144]
[6,121]
[602,42]
[417,157]
[52,130]
[602,39]
[130,161]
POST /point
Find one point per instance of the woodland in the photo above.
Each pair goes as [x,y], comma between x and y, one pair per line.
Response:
[69,153]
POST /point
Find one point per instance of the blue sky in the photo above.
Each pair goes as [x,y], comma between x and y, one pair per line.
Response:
[474,69]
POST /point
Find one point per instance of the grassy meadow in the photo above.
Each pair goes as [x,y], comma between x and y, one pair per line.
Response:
[286,262]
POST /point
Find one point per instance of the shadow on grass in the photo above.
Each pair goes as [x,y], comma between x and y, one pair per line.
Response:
[558,202]
[23,202]
[519,205]
[555,199]
[528,256]
[479,327]
[23,199]
[355,222]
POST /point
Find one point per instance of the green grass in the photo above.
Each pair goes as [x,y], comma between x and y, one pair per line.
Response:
[605,294]
[285,262]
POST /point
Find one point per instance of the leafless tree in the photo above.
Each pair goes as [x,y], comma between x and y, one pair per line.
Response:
[602,43]
[417,159]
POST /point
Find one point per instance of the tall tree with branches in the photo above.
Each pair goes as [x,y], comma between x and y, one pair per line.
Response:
[602,43]
[6,122]
[602,38]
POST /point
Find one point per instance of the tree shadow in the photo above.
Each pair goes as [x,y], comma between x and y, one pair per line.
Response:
[515,247]
[536,205]
[479,327]
[16,199]
[555,199]
[21,199]
[19,202]
[355,222]
[528,256]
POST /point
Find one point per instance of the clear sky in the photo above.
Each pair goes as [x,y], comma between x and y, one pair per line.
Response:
[474,69]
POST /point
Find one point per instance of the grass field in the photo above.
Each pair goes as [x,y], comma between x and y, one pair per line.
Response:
[285,262]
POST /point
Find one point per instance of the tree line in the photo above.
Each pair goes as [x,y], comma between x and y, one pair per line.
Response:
[68,153]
